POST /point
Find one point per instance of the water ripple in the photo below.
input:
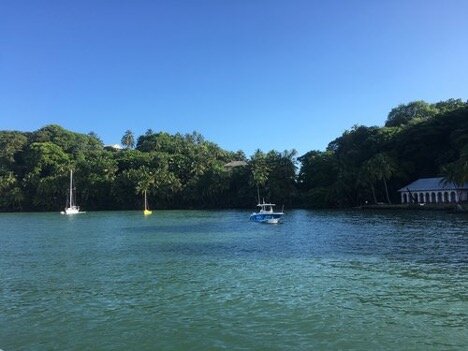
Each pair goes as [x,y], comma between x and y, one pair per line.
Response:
[212,280]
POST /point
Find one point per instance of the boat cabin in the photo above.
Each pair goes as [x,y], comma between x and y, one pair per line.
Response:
[266,208]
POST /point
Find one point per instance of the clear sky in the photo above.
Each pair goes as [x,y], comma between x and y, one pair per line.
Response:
[246,74]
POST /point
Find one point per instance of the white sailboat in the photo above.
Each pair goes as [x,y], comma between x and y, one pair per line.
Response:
[71,207]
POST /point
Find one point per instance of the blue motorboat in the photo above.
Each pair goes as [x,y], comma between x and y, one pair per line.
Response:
[266,214]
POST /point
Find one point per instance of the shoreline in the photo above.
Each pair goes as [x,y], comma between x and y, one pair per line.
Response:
[418,207]
[400,207]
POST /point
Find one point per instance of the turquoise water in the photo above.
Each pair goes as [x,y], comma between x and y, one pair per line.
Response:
[202,280]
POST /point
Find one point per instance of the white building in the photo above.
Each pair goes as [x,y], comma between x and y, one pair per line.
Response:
[433,190]
[117,147]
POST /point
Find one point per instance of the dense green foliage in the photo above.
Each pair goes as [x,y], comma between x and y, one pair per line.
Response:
[368,164]
[186,171]
[177,171]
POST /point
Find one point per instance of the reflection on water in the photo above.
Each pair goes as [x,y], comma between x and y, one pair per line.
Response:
[209,280]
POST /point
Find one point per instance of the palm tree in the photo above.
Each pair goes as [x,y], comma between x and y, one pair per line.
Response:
[260,170]
[128,139]
[383,168]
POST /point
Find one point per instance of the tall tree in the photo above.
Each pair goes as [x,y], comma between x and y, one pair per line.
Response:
[382,167]
[128,140]
[260,170]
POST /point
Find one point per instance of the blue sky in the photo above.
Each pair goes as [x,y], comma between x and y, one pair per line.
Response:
[246,74]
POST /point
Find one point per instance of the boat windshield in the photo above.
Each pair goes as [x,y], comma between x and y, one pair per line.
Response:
[266,207]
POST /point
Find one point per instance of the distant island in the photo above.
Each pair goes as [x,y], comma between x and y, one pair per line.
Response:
[365,165]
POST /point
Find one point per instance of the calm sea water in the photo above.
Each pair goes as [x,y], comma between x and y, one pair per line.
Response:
[201,280]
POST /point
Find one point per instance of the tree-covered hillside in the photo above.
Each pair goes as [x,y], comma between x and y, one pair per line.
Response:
[371,163]
[178,171]
[187,171]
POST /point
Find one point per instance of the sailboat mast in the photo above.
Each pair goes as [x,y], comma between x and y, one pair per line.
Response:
[71,188]
[145,201]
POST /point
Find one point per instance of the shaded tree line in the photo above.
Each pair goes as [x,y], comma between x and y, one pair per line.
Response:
[369,164]
[364,164]
[177,171]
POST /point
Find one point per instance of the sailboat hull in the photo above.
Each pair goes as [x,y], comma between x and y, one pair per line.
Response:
[72,211]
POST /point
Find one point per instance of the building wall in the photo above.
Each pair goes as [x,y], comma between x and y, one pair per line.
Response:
[445,196]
